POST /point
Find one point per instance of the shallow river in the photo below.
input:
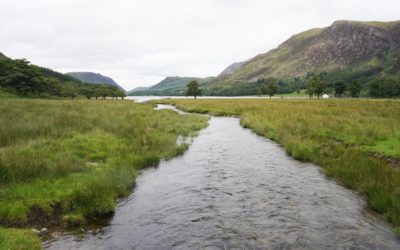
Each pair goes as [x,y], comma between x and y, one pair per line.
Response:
[235,190]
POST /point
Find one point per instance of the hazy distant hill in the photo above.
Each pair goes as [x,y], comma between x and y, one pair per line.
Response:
[138,89]
[21,78]
[345,50]
[170,86]
[94,78]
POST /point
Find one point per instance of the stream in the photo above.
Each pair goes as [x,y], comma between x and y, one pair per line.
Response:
[233,189]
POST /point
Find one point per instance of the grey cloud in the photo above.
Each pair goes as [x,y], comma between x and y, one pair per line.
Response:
[139,42]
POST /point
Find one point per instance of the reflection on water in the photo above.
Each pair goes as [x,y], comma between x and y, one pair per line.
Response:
[148,98]
[234,189]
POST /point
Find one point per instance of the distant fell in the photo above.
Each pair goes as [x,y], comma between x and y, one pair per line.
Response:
[94,78]
[169,86]
[349,49]
[138,89]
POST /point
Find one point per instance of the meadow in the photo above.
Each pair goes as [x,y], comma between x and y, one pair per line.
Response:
[356,142]
[65,163]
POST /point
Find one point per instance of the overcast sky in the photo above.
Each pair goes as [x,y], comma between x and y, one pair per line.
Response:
[139,42]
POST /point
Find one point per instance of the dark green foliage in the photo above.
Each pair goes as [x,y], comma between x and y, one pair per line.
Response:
[355,88]
[193,89]
[68,90]
[316,85]
[340,88]
[270,87]
[20,77]
[87,91]
[385,87]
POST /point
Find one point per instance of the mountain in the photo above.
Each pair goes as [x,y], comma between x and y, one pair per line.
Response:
[170,86]
[231,68]
[345,50]
[21,78]
[94,78]
[138,89]
[2,56]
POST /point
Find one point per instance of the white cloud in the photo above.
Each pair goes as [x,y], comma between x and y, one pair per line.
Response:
[140,42]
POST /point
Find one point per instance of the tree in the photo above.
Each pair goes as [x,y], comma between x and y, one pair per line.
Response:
[87,91]
[340,87]
[105,90]
[319,82]
[22,76]
[385,87]
[354,88]
[120,93]
[68,90]
[316,85]
[310,88]
[271,87]
[97,92]
[193,89]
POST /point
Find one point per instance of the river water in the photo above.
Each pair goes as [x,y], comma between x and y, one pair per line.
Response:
[233,189]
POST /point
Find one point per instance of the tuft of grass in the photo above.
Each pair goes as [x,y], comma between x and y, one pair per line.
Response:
[67,162]
[354,141]
[5,94]
[18,239]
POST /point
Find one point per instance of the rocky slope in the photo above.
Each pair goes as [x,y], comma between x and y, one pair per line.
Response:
[345,45]
[231,68]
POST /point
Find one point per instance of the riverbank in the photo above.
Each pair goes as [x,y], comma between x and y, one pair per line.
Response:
[354,141]
[66,162]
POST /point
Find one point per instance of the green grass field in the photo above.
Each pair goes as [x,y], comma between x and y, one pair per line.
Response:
[356,142]
[66,162]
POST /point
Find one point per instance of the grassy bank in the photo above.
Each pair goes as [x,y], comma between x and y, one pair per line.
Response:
[355,141]
[18,239]
[66,162]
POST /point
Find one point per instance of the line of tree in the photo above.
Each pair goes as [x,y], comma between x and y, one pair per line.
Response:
[25,79]
[385,87]
[381,87]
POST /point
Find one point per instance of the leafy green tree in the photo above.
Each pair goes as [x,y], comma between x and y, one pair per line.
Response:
[310,88]
[104,91]
[319,82]
[340,88]
[271,87]
[87,91]
[22,77]
[193,89]
[97,92]
[385,87]
[355,88]
[68,90]
[120,93]
[316,85]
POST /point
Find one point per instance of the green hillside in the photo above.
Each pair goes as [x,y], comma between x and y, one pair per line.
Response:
[170,86]
[18,77]
[346,50]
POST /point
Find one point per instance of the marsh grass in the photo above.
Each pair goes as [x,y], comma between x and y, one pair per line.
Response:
[66,162]
[16,239]
[356,142]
